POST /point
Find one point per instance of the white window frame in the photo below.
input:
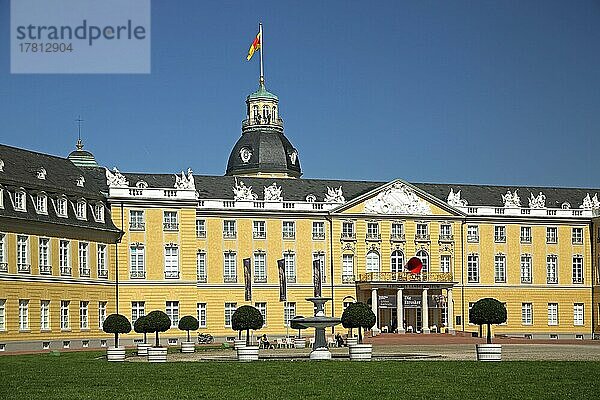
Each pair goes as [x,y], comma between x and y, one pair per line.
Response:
[500,268]
[473,233]
[260,267]
[230,308]
[423,255]
[201,271]
[578,314]
[102,268]
[3,257]
[64,257]
[526,313]
[201,311]
[81,210]
[261,306]
[44,256]
[20,200]
[44,315]
[289,312]
[525,234]
[551,234]
[552,268]
[172,311]
[526,268]
[137,220]
[137,261]
[230,267]
[170,220]
[500,233]
[200,228]
[65,317]
[288,229]
[348,268]
[445,263]
[289,259]
[171,257]
[102,313]
[23,314]
[259,230]
[61,207]
[41,203]
[473,268]
[321,257]
[397,261]
[84,261]
[372,262]
[577,235]
[84,320]
[99,212]
[23,253]
[229,229]
[2,315]
[138,309]
[577,269]
[552,314]
[318,230]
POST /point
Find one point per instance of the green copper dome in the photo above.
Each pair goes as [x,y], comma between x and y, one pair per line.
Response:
[262,92]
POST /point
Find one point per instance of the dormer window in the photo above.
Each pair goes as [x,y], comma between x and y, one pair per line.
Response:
[41,173]
[61,207]
[80,181]
[80,209]
[20,201]
[1,166]
[99,212]
[1,197]
[41,204]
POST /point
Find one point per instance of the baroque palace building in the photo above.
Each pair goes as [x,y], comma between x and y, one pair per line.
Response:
[78,242]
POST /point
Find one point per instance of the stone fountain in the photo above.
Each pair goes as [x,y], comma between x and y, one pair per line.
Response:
[320,322]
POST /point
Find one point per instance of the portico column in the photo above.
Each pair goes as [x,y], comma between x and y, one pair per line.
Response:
[425,312]
[400,311]
[374,307]
[450,307]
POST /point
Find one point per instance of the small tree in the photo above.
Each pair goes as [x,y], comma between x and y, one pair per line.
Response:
[246,318]
[358,315]
[158,321]
[141,326]
[116,323]
[188,323]
[295,325]
[487,311]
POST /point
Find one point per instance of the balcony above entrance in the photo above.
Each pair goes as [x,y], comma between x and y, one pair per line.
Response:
[402,277]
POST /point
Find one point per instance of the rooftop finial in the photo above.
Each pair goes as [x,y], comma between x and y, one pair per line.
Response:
[79,144]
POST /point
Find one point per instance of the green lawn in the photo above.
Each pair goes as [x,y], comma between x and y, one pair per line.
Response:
[81,376]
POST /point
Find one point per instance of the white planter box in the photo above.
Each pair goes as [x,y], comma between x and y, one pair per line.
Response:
[115,354]
[188,347]
[361,352]
[489,352]
[238,343]
[247,353]
[299,343]
[157,354]
[142,349]
[351,341]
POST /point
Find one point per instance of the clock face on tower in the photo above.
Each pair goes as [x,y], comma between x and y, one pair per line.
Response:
[245,154]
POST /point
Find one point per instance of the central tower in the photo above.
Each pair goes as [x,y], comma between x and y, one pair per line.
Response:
[263,150]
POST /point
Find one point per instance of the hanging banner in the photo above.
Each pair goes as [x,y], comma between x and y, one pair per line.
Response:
[247,280]
[317,277]
[282,280]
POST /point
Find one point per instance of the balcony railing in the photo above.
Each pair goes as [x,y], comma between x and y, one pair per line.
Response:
[3,267]
[45,269]
[578,280]
[137,274]
[472,238]
[405,277]
[201,278]
[525,239]
[171,274]
[422,237]
[525,279]
[318,235]
[201,234]
[577,240]
[84,272]
[551,239]
[446,238]
[289,235]
[348,236]
[259,235]
[103,273]
[373,236]
[66,271]
[290,279]
[170,226]
[24,268]
[397,237]
[137,226]
[500,239]
[347,278]
[551,279]
[230,279]
[229,234]
[260,279]
[276,125]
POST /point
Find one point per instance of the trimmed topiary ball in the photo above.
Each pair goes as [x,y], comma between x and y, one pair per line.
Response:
[358,315]
[158,321]
[188,323]
[487,311]
[141,326]
[246,318]
[116,323]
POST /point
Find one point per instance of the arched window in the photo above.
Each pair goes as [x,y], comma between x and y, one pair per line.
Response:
[397,261]
[274,113]
[422,254]
[255,113]
[266,114]
[372,261]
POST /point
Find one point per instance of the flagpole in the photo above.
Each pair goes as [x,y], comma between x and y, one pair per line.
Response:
[262,73]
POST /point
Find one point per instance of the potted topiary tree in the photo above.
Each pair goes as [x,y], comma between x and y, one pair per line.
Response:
[359,315]
[188,323]
[157,321]
[116,323]
[488,311]
[141,326]
[244,319]
[299,342]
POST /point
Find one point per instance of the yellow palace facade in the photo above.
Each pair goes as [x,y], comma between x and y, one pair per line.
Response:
[177,243]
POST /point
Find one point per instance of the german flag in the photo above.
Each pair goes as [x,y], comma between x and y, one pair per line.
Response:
[254,46]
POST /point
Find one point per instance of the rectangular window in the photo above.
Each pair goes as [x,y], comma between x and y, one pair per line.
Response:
[45,315]
[290,267]
[170,222]
[2,314]
[551,234]
[348,268]
[500,268]
[373,231]
[552,313]
[262,307]
[101,261]
[397,231]
[229,310]
[137,269]
[289,230]
[446,232]
[41,204]
[445,262]
[229,229]
[81,209]
[260,268]
[551,269]
[472,233]
[422,231]
[289,312]
[171,262]
[44,256]
[473,268]
[23,254]
[61,207]
[577,269]
[500,234]
[64,314]
[99,212]
[64,257]
[259,230]
[578,314]
[20,201]
[229,268]
[201,309]
[84,269]
[138,309]
[525,234]
[348,230]
[201,266]
[101,313]
[526,268]
[321,258]
[200,228]
[318,230]
[83,314]
[526,313]
[136,220]
[23,315]
[172,310]
[577,235]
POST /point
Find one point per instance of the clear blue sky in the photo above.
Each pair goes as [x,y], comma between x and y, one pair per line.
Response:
[495,92]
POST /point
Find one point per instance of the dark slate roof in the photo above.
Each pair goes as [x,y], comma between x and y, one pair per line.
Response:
[488,195]
[270,153]
[20,167]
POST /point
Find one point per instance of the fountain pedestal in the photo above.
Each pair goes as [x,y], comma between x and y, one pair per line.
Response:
[320,322]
